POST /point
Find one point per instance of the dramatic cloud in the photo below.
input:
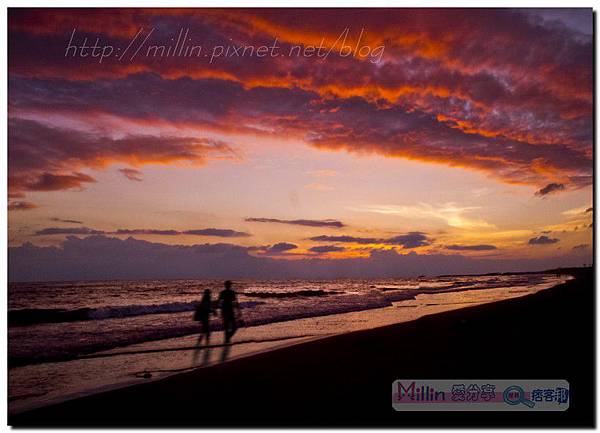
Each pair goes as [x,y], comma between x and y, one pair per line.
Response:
[504,91]
[409,240]
[507,93]
[21,205]
[54,182]
[471,247]
[131,174]
[309,223]
[46,158]
[326,249]
[550,188]
[542,240]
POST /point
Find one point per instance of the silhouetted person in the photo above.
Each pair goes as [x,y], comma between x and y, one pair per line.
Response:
[229,305]
[203,312]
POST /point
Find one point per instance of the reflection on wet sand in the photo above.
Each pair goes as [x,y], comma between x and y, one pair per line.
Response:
[202,349]
[225,352]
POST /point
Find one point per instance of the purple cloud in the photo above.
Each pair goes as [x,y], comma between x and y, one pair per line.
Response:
[57,182]
[409,240]
[66,221]
[146,232]
[549,189]
[345,239]
[101,257]
[281,247]
[46,158]
[581,247]
[223,233]
[131,174]
[68,231]
[471,247]
[299,222]
[542,240]
[326,249]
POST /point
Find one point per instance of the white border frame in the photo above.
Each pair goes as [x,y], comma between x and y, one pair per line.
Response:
[211,3]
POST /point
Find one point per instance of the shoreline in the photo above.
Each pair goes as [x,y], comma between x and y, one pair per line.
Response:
[321,374]
[293,340]
[130,365]
[23,361]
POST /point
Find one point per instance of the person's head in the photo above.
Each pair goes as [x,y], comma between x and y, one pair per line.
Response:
[228,284]
[206,294]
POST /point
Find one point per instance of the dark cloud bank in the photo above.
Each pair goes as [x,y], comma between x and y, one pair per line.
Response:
[408,240]
[221,233]
[100,257]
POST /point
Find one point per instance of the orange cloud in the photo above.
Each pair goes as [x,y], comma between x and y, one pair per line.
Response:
[455,87]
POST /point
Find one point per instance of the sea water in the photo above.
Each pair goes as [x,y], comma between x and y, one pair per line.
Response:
[73,338]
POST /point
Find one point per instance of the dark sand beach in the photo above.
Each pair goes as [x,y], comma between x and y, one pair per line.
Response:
[345,380]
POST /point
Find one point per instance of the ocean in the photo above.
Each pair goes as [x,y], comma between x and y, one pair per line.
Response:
[72,338]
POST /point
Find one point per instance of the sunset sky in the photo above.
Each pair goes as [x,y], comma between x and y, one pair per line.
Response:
[470,135]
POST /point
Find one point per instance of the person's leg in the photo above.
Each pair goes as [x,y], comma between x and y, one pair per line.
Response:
[228,325]
[200,337]
[206,329]
[198,344]
[233,328]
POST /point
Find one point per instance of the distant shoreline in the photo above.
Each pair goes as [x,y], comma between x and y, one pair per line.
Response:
[563,271]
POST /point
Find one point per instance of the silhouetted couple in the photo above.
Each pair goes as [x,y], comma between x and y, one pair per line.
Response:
[228,305]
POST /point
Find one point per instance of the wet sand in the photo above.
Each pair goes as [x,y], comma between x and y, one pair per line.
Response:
[345,380]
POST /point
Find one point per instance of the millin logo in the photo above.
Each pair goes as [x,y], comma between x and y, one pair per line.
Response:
[419,393]
[531,395]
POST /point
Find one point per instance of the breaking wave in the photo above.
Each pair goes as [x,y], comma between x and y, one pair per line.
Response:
[34,316]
